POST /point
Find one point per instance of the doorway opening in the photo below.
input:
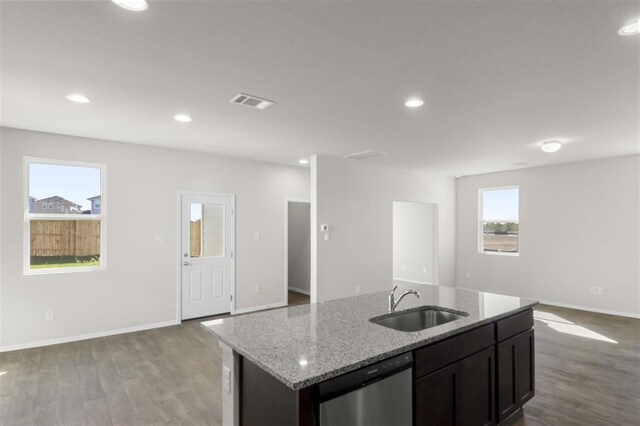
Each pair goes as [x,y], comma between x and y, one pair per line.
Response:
[297,252]
[415,242]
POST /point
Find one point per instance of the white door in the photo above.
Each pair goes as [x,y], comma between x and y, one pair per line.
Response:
[207,258]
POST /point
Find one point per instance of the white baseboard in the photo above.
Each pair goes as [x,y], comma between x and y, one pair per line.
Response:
[297,290]
[590,309]
[411,281]
[8,348]
[259,308]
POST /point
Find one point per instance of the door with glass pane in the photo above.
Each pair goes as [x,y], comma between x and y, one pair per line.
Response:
[207,256]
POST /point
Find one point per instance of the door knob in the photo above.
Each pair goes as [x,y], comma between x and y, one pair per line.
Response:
[186,264]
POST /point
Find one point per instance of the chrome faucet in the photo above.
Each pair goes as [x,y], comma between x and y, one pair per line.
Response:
[393,303]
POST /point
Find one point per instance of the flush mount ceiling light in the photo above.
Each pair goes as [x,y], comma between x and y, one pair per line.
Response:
[414,103]
[303,161]
[133,5]
[551,146]
[182,118]
[78,98]
[631,28]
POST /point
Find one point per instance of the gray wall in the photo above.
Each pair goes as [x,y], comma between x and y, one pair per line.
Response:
[579,228]
[299,245]
[356,200]
[414,237]
[138,289]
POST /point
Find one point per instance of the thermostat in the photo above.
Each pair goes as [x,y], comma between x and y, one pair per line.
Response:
[324,228]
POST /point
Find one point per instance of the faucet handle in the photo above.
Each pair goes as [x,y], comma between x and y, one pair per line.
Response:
[395,287]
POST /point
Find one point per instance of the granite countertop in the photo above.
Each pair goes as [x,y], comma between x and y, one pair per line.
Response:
[308,344]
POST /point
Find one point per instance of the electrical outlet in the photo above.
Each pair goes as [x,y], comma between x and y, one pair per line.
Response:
[599,291]
[160,238]
[594,290]
[258,288]
[257,236]
[226,375]
[424,270]
[357,289]
[48,315]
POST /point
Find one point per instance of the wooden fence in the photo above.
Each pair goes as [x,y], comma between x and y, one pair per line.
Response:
[65,237]
[196,238]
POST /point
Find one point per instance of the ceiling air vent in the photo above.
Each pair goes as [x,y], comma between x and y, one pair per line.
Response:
[251,101]
[365,154]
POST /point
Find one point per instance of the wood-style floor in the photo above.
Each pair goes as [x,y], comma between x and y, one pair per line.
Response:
[172,376]
[296,298]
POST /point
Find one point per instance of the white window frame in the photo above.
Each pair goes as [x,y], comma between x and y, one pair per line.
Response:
[26,255]
[481,222]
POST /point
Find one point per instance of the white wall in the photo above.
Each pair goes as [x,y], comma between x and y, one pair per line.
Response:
[413,241]
[579,227]
[356,200]
[139,286]
[299,246]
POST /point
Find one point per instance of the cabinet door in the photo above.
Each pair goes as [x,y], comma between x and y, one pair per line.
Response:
[525,365]
[475,390]
[435,399]
[515,364]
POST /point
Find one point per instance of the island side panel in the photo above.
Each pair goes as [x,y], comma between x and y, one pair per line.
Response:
[265,401]
[230,381]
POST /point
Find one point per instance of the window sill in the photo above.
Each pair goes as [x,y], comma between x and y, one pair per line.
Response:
[51,271]
[499,253]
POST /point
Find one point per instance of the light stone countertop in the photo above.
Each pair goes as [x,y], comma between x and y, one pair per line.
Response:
[308,344]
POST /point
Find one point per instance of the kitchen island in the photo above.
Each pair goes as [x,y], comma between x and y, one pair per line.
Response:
[275,361]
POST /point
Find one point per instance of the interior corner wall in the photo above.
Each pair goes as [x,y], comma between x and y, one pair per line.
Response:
[139,287]
[579,228]
[356,201]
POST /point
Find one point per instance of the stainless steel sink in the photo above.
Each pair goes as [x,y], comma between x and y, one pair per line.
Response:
[417,319]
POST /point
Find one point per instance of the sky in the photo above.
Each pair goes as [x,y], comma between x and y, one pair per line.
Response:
[73,183]
[500,204]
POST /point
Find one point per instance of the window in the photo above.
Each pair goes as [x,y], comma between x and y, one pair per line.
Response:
[61,239]
[499,225]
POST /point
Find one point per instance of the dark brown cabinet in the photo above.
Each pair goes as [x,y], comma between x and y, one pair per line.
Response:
[461,394]
[515,368]
[477,378]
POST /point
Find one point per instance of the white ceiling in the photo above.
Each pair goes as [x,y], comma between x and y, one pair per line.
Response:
[497,77]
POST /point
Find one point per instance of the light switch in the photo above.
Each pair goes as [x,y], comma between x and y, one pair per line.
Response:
[257,236]
[160,238]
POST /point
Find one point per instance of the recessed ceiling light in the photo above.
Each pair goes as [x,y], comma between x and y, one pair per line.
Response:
[303,161]
[133,5]
[182,118]
[631,28]
[77,97]
[303,362]
[414,103]
[551,146]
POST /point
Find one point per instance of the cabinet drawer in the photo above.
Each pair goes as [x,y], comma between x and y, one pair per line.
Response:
[513,325]
[451,350]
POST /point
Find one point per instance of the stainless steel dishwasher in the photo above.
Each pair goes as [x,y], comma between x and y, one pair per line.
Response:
[377,395]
